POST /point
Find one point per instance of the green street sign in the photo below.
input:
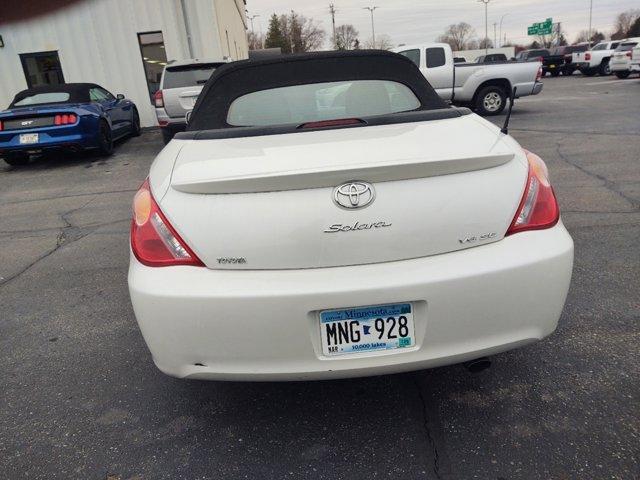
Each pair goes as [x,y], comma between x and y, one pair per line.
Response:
[541,28]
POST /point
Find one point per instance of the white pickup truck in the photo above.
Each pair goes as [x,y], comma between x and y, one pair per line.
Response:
[485,87]
[595,60]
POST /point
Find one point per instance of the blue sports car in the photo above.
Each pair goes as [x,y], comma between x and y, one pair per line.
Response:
[71,116]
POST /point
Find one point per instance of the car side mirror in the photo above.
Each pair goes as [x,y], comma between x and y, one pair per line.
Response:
[120,97]
[187,116]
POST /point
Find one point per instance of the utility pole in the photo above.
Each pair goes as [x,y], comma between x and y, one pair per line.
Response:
[486,25]
[590,17]
[558,32]
[373,30]
[332,10]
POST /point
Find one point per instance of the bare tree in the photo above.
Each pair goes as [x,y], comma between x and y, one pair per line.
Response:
[623,24]
[383,42]
[458,36]
[303,33]
[583,36]
[346,38]
[255,40]
[485,43]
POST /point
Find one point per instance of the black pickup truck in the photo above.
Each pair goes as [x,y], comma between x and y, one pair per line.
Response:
[556,61]
[561,58]
[542,55]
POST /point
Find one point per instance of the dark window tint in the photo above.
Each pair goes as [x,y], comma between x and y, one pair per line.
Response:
[413,55]
[42,68]
[538,53]
[435,57]
[189,75]
[576,48]
[154,58]
[615,45]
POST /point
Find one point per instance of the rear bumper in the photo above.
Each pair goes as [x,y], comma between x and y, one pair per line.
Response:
[537,88]
[620,67]
[74,140]
[263,325]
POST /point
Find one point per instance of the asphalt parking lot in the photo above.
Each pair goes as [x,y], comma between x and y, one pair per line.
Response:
[81,398]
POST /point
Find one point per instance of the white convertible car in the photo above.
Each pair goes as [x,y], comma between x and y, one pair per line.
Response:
[327,215]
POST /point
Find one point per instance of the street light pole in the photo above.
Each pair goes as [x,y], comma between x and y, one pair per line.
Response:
[486,25]
[590,17]
[373,30]
[251,20]
[501,19]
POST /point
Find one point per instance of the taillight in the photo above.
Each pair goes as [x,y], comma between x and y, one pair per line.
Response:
[628,54]
[154,241]
[538,208]
[158,99]
[539,74]
[1,126]
[587,56]
[65,119]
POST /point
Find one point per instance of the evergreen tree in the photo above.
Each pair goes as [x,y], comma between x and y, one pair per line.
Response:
[275,36]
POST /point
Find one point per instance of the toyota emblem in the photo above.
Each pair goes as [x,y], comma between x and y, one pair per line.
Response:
[354,194]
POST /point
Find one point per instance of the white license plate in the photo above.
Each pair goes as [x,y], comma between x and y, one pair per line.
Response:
[552,66]
[367,329]
[28,138]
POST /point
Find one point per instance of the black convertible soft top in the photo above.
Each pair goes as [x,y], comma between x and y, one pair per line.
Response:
[78,92]
[240,78]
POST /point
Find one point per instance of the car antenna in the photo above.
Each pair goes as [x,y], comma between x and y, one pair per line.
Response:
[453,87]
[505,127]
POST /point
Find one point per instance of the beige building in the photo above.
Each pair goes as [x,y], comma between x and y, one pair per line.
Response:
[120,44]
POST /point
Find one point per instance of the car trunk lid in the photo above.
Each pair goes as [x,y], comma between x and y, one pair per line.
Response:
[268,202]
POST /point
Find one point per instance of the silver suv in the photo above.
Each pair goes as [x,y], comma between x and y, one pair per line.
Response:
[180,86]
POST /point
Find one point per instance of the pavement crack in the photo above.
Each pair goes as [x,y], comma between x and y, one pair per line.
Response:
[609,185]
[68,234]
[428,430]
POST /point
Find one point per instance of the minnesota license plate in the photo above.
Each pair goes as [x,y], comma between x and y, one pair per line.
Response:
[28,138]
[367,329]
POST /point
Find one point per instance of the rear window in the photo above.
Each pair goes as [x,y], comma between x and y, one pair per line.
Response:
[39,98]
[625,47]
[538,53]
[188,75]
[321,101]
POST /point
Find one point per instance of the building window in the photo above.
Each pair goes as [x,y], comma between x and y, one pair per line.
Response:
[42,68]
[154,58]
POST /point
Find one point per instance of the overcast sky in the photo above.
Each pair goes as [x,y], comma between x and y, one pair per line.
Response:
[414,21]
